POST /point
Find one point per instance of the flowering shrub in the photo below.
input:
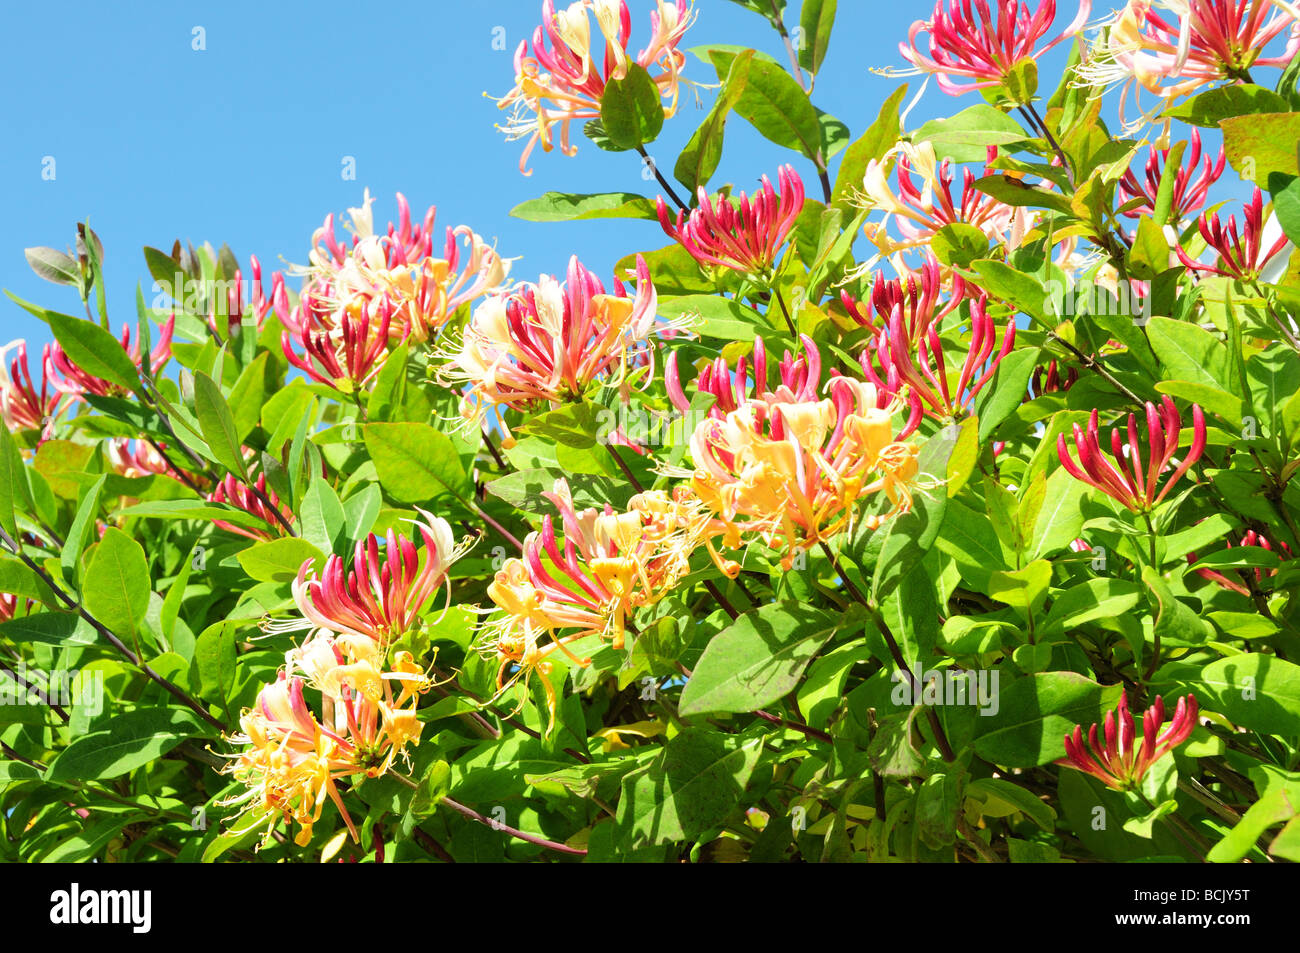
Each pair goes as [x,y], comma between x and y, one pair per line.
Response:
[799,537]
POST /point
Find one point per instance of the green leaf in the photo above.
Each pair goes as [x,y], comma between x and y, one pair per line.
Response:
[129,741]
[966,136]
[94,350]
[13,482]
[1035,713]
[116,590]
[1087,601]
[1252,691]
[1261,144]
[1209,109]
[999,798]
[1149,255]
[1188,352]
[873,144]
[1022,588]
[715,317]
[816,19]
[1005,391]
[416,463]
[774,104]
[1285,191]
[278,560]
[1175,624]
[756,660]
[959,244]
[631,111]
[49,628]
[321,519]
[53,265]
[574,207]
[83,525]
[1021,291]
[701,154]
[218,425]
[1059,519]
[194,510]
[692,788]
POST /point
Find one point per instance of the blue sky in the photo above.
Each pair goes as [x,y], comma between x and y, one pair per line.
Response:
[243,142]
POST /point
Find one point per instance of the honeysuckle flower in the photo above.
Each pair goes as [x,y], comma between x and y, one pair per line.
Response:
[888,361]
[422,289]
[800,377]
[924,203]
[744,235]
[252,500]
[348,357]
[566,81]
[1190,184]
[291,759]
[967,41]
[1118,762]
[1129,480]
[22,406]
[382,595]
[1175,48]
[138,458]
[231,306]
[792,470]
[1251,538]
[71,379]
[917,295]
[1254,253]
[545,342]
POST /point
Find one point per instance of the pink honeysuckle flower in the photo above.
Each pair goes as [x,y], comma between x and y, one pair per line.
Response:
[790,467]
[888,361]
[546,342]
[1118,763]
[349,357]
[800,378]
[1175,48]
[566,81]
[1251,538]
[71,379]
[1190,186]
[966,40]
[918,295]
[924,203]
[382,595]
[22,406]
[1257,251]
[253,501]
[743,236]
[232,308]
[1128,480]
[138,458]
[423,289]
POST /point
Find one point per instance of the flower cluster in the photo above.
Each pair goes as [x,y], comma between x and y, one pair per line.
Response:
[546,342]
[1175,48]
[566,81]
[791,468]
[609,565]
[1118,763]
[1251,538]
[1251,254]
[22,406]
[1128,480]
[745,235]
[68,377]
[1138,198]
[291,758]
[359,301]
[965,42]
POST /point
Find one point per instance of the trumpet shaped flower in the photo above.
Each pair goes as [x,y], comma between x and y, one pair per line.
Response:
[966,41]
[1247,255]
[888,361]
[258,501]
[563,78]
[22,406]
[1251,538]
[384,592]
[745,235]
[546,342]
[1174,48]
[72,379]
[349,356]
[1129,480]
[1190,185]
[1120,762]
[793,471]
[918,295]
